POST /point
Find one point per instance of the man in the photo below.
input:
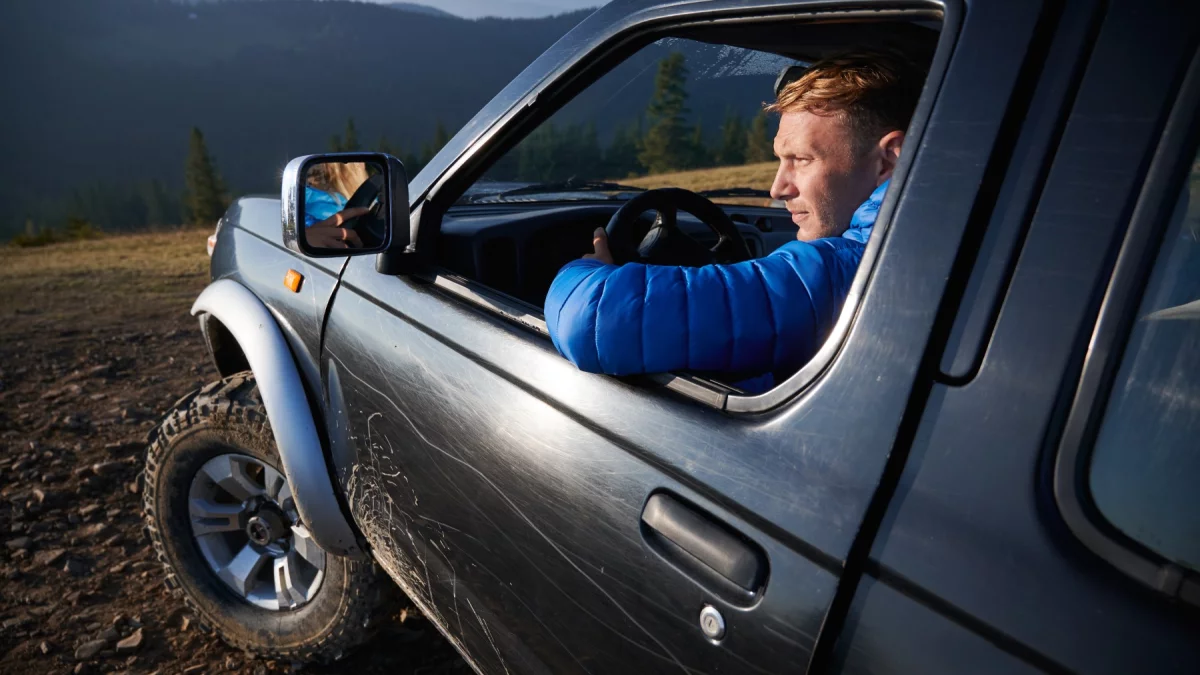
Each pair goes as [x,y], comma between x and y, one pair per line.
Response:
[841,128]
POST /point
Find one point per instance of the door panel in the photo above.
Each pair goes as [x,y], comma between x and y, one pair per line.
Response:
[516,526]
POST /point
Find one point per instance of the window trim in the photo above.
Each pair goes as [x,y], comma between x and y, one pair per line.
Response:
[1139,251]
[525,116]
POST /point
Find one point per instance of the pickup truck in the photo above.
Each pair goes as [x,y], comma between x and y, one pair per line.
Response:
[990,466]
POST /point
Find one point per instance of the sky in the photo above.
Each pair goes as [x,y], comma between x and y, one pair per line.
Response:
[473,9]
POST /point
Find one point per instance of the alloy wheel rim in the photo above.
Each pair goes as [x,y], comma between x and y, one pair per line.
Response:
[245,524]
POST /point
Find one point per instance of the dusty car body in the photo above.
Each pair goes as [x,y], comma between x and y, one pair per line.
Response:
[908,502]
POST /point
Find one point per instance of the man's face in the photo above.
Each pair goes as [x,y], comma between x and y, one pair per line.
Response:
[823,177]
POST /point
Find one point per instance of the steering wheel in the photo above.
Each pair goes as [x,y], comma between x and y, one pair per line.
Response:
[371,226]
[665,243]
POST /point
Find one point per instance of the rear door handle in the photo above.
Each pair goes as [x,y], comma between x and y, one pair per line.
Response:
[712,544]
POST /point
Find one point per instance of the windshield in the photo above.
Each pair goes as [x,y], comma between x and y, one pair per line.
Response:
[678,113]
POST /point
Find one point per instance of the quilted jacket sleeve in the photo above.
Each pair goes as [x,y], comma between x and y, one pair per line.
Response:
[768,314]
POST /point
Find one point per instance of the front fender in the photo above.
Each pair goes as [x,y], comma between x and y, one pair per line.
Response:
[266,352]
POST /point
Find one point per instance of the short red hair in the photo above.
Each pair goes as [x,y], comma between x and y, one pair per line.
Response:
[875,91]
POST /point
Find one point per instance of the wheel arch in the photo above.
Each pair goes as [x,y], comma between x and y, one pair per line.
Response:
[243,334]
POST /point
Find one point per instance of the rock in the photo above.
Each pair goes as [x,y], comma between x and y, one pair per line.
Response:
[75,568]
[119,567]
[125,448]
[45,647]
[74,519]
[89,649]
[89,510]
[194,670]
[109,634]
[69,390]
[50,557]
[185,623]
[19,544]
[46,498]
[112,541]
[131,643]
[118,619]
[95,531]
[106,468]
[76,421]
[80,668]
[113,514]
[133,487]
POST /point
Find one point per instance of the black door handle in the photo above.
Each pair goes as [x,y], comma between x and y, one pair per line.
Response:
[712,544]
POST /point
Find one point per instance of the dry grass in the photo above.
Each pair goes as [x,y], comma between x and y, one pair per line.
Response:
[749,175]
[114,279]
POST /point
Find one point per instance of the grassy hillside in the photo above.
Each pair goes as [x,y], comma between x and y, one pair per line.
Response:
[750,175]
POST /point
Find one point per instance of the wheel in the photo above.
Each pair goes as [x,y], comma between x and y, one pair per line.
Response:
[221,517]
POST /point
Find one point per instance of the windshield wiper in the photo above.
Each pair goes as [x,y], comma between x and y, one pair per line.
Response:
[735,192]
[569,185]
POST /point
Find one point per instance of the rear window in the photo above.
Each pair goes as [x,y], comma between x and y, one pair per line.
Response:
[1145,469]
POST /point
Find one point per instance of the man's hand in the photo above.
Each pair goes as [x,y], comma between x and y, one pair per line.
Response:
[600,241]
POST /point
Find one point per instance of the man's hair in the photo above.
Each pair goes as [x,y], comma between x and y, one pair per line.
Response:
[874,91]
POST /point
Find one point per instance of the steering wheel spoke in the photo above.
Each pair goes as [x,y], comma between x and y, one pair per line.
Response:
[666,243]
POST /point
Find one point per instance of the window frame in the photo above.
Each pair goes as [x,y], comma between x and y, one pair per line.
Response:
[551,95]
[1167,173]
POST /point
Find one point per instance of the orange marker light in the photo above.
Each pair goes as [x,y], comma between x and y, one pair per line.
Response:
[292,280]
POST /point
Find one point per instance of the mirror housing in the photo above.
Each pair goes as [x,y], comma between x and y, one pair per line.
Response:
[390,231]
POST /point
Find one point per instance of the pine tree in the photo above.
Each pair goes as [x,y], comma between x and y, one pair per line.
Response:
[621,158]
[350,137]
[440,137]
[701,156]
[759,147]
[204,196]
[732,151]
[665,146]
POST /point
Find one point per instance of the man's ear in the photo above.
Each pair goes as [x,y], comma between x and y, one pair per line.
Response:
[889,154]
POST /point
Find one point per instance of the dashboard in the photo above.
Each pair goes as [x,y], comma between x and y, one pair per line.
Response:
[518,248]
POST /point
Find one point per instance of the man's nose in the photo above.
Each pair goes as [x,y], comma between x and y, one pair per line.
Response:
[782,188]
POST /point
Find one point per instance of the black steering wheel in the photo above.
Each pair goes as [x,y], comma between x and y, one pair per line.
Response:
[665,243]
[371,226]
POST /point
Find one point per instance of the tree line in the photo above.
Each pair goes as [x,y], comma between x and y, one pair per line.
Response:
[659,140]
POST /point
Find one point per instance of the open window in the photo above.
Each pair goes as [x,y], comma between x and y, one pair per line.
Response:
[679,108]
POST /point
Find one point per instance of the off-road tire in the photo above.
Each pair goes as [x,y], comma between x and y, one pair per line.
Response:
[229,416]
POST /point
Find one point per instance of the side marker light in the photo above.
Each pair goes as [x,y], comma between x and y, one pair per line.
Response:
[293,280]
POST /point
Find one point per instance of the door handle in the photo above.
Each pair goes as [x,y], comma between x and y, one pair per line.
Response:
[710,543]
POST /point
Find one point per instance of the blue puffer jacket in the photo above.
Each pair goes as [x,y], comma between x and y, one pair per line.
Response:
[768,315]
[319,205]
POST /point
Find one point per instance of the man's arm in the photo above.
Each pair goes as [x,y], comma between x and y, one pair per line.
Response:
[755,316]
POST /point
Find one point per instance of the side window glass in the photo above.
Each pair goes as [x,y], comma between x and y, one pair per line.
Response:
[1145,465]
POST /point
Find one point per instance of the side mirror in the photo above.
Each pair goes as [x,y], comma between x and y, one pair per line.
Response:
[343,204]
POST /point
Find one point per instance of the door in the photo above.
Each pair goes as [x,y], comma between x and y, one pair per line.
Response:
[551,520]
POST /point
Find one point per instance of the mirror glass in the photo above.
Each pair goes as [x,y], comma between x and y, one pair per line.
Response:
[343,205]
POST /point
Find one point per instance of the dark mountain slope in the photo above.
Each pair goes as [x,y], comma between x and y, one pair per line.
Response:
[107,90]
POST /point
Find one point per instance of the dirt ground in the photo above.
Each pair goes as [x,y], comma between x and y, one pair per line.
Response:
[95,345]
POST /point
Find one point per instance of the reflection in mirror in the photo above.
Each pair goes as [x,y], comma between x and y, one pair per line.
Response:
[344,204]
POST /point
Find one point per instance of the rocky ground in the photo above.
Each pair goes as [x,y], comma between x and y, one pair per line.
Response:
[95,345]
